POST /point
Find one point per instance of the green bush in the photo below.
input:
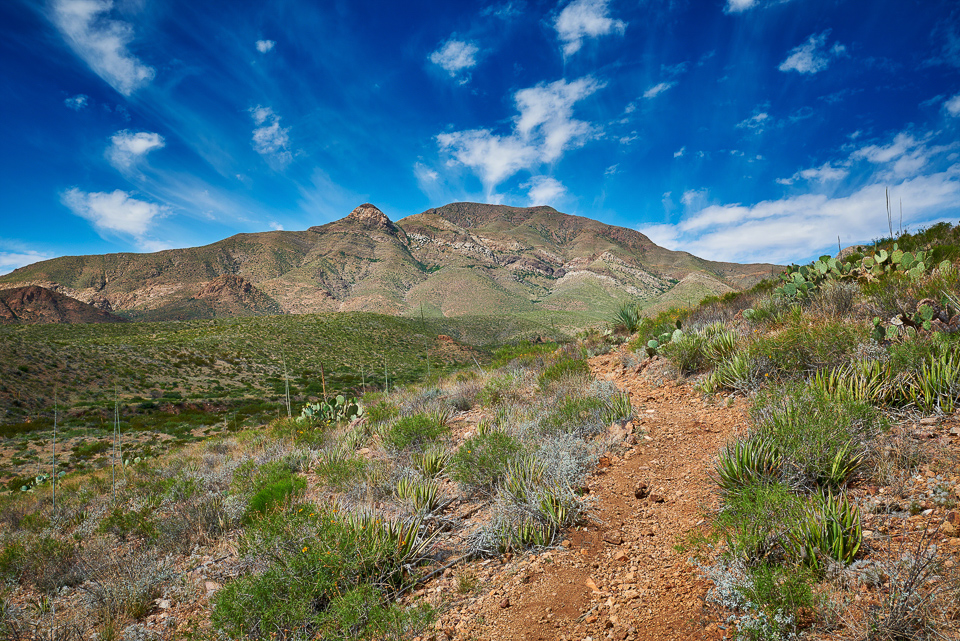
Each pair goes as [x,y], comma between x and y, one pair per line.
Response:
[331,577]
[414,431]
[801,347]
[782,598]
[581,415]
[564,368]
[754,521]
[822,437]
[483,459]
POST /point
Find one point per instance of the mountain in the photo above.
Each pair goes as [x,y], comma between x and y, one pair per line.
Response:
[457,260]
[32,304]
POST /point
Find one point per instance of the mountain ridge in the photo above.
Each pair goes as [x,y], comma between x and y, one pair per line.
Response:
[459,259]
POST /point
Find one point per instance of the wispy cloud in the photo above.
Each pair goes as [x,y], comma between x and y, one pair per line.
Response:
[544,129]
[128,147]
[794,228]
[812,56]
[456,57]
[757,123]
[14,255]
[585,19]
[739,6]
[102,42]
[679,153]
[953,106]
[544,190]
[798,227]
[77,102]
[113,212]
[264,46]
[269,138]
[825,173]
[658,89]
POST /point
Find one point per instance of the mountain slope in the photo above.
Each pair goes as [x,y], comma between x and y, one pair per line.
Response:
[32,304]
[460,259]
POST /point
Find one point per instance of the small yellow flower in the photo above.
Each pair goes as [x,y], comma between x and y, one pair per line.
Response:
[305,549]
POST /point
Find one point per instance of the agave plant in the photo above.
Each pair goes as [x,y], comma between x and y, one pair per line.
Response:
[423,495]
[747,462]
[432,462]
[830,527]
[628,317]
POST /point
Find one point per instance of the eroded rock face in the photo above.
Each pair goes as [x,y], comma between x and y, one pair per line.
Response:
[369,216]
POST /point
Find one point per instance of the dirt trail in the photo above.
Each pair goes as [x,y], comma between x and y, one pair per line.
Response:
[619,577]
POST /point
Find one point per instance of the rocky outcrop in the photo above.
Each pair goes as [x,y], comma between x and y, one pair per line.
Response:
[34,304]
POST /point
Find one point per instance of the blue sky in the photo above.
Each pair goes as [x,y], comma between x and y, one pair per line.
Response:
[745,130]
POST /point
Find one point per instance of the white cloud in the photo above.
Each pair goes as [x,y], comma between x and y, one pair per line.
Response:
[115,211]
[612,170]
[128,147]
[953,106]
[812,56]
[544,129]
[822,174]
[544,190]
[101,42]
[455,57]
[757,122]
[269,138]
[275,226]
[263,46]
[19,257]
[904,156]
[798,227]
[77,102]
[739,6]
[679,153]
[585,18]
[658,89]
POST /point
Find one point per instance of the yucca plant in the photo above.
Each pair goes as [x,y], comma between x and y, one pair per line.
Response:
[556,511]
[618,408]
[734,373]
[721,345]
[628,317]
[747,462]
[829,527]
[432,462]
[937,384]
[423,495]
[524,474]
[525,534]
[845,463]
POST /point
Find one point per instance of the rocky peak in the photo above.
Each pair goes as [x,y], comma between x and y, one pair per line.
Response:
[369,216]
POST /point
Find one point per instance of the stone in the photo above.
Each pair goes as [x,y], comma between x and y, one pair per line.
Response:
[928,421]
[211,587]
[505,603]
[613,537]
[642,491]
[164,604]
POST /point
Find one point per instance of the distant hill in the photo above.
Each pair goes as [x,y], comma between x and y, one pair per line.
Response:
[32,304]
[458,260]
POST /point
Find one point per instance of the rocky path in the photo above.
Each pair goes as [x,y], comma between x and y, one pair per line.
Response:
[619,576]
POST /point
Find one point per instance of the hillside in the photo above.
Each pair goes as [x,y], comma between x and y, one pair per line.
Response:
[32,304]
[457,260]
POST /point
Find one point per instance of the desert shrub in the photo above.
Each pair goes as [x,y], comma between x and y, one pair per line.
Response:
[566,459]
[822,438]
[778,602]
[495,390]
[381,411]
[45,561]
[754,521]
[323,563]
[563,369]
[524,351]
[339,471]
[688,354]
[414,431]
[124,587]
[580,415]
[835,299]
[482,460]
[801,347]
[130,520]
